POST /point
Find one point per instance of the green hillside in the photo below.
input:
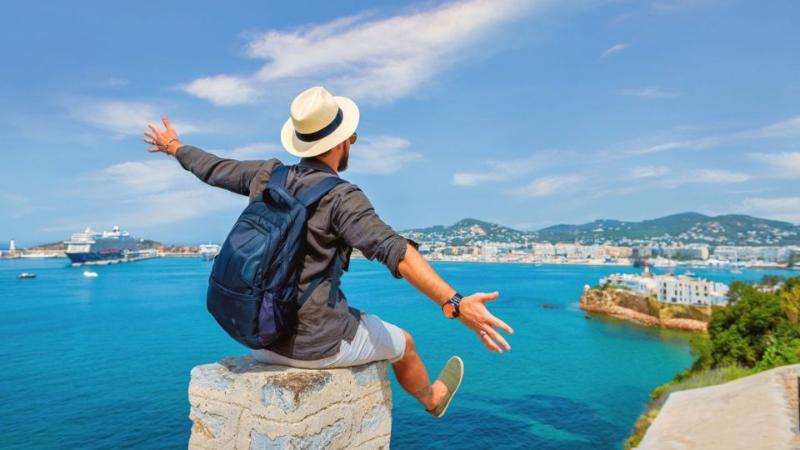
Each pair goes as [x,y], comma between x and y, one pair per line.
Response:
[690,227]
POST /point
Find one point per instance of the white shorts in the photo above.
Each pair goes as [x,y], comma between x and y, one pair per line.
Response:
[375,340]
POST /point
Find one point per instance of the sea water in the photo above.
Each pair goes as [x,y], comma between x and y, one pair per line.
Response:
[104,362]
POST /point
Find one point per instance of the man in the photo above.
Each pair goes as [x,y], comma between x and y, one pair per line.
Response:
[320,131]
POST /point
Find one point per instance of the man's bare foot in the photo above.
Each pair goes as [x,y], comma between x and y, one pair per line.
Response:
[438,393]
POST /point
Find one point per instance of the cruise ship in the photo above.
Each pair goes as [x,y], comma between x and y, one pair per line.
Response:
[106,247]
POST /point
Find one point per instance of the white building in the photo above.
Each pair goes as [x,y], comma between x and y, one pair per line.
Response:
[12,246]
[750,254]
[641,284]
[691,291]
[682,289]
[488,251]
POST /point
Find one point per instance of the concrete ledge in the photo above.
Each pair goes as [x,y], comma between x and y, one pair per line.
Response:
[238,403]
[755,412]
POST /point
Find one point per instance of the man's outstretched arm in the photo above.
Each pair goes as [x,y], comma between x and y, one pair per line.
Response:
[473,312]
[235,176]
[355,220]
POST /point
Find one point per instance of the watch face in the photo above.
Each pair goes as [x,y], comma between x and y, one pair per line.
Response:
[449,310]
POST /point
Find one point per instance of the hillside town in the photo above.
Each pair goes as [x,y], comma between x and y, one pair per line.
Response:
[472,240]
[696,255]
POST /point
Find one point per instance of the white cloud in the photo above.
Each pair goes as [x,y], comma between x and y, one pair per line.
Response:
[648,172]
[373,60]
[715,176]
[381,155]
[786,128]
[506,170]
[122,117]
[223,90]
[146,176]
[648,92]
[257,150]
[544,186]
[152,192]
[783,164]
[613,50]
[659,177]
[698,176]
[781,130]
[779,208]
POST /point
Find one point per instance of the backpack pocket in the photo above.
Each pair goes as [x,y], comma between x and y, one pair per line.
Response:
[240,261]
[237,313]
[275,318]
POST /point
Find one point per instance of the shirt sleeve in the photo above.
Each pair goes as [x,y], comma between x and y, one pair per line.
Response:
[235,176]
[354,219]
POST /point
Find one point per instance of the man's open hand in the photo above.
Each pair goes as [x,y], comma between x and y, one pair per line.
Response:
[162,141]
[473,314]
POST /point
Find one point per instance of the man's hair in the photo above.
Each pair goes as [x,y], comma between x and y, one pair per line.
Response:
[322,155]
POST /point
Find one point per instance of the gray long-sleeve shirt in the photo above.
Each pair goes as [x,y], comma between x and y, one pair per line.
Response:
[342,220]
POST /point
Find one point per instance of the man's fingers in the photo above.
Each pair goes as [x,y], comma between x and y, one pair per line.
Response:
[488,297]
[153,149]
[156,131]
[150,135]
[496,337]
[502,325]
[167,125]
[489,343]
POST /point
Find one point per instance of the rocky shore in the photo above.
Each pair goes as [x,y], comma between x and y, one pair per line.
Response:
[628,305]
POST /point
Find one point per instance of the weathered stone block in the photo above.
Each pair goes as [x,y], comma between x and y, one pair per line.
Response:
[239,403]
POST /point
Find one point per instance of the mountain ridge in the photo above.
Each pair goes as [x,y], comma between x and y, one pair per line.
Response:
[687,227]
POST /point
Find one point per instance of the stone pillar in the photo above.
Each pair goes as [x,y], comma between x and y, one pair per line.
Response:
[238,403]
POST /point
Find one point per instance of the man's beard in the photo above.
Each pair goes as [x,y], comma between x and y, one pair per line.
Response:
[343,161]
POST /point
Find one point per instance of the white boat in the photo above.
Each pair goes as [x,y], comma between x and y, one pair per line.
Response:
[90,274]
[209,251]
[26,276]
[37,255]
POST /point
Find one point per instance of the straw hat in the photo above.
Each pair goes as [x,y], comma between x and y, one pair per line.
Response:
[318,122]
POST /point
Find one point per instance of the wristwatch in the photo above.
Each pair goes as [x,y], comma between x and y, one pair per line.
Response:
[450,308]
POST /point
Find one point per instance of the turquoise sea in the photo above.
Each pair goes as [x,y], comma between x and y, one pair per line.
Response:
[104,362]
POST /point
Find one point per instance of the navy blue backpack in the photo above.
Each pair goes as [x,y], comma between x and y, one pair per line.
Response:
[252,290]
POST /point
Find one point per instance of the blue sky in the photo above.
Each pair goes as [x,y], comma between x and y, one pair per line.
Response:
[522,112]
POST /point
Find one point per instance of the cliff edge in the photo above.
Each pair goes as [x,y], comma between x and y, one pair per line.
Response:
[238,403]
[755,412]
[628,305]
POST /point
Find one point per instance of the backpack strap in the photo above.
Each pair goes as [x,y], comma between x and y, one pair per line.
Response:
[308,198]
[314,193]
[336,278]
[278,177]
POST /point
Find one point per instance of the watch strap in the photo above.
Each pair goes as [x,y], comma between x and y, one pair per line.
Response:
[455,300]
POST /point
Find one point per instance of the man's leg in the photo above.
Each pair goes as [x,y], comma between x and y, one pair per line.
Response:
[413,377]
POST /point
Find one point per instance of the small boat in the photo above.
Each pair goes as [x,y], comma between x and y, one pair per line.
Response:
[689,273]
[735,270]
[26,276]
[587,317]
[89,274]
[209,251]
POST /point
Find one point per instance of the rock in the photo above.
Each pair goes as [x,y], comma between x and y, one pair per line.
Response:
[754,412]
[239,403]
[633,307]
